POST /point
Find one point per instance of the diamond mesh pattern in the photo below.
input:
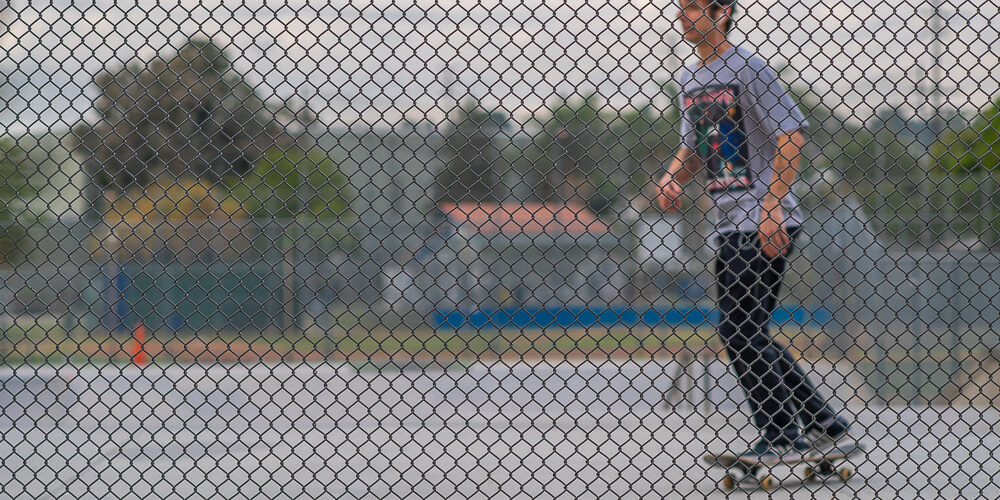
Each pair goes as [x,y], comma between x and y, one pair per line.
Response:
[455,249]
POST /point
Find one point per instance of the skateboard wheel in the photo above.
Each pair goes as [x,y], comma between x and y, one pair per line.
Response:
[768,483]
[808,474]
[845,473]
[728,483]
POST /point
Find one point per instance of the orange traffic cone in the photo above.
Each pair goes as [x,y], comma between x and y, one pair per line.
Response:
[136,348]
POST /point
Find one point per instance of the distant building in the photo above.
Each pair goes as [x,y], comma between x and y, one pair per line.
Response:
[487,256]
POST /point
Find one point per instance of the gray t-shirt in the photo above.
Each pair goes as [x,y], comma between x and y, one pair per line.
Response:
[733,110]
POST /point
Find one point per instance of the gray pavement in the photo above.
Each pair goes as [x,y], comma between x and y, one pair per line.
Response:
[573,430]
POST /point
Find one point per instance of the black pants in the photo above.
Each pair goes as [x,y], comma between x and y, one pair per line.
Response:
[748,284]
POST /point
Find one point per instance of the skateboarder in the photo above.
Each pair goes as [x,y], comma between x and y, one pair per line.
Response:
[742,127]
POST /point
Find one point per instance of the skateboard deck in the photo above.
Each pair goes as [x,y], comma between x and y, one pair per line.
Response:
[819,465]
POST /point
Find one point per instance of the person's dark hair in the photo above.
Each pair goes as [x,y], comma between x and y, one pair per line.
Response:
[722,4]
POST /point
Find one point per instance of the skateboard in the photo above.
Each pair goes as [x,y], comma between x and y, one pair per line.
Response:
[819,465]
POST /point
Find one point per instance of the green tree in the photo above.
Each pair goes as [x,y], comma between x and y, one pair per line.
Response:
[602,157]
[289,183]
[16,191]
[471,154]
[970,157]
[574,139]
[189,114]
[639,143]
[874,163]
[974,148]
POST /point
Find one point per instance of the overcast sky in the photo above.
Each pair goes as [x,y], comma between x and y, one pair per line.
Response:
[376,61]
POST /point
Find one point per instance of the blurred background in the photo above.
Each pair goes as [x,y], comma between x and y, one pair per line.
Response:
[336,198]
[312,167]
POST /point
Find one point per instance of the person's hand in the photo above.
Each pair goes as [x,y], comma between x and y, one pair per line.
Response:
[774,240]
[668,193]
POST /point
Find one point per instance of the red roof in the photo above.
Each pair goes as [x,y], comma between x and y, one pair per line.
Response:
[517,217]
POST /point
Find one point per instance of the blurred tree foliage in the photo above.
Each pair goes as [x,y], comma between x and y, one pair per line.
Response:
[583,151]
[186,114]
[875,163]
[968,158]
[293,183]
[16,191]
[974,148]
[471,154]
[567,150]
[175,200]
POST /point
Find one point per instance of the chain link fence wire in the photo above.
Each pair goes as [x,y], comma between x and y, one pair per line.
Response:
[317,249]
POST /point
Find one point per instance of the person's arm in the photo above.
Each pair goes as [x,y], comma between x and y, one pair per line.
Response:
[774,234]
[679,173]
[778,116]
[684,165]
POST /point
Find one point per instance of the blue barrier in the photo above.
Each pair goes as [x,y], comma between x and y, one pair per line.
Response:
[581,317]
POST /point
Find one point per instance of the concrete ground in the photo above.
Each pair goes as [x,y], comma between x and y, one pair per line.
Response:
[587,430]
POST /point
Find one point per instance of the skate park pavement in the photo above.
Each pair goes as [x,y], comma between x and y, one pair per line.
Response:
[612,429]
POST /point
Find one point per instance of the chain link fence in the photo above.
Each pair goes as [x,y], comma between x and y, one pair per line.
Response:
[430,249]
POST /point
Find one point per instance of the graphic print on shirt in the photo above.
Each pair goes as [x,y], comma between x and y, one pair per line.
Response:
[720,136]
